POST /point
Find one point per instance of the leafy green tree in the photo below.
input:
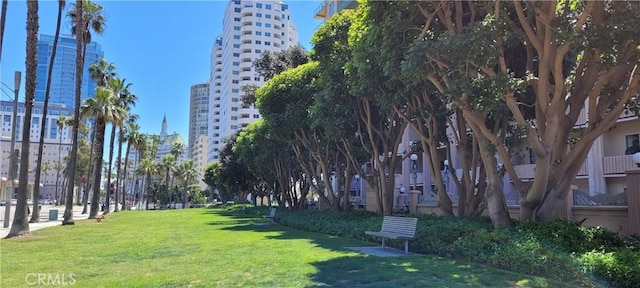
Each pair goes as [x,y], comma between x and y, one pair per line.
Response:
[168,167]
[148,168]
[272,63]
[212,177]
[35,216]
[20,225]
[188,175]
[380,128]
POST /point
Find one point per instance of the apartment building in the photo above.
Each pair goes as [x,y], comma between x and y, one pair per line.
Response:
[249,28]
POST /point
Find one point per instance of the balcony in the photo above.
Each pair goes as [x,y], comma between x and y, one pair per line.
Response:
[527,172]
[347,4]
[321,11]
[618,164]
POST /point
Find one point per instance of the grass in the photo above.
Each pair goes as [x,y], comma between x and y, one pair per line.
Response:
[214,248]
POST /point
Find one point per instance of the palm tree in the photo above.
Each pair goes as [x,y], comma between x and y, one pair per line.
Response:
[20,224]
[35,216]
[131,129]
[177,150]
[101,72]
[104,108]
[118,86]
[148,168]
[168,165]
[61,122]
[139,142]
[84,15]
[188,174]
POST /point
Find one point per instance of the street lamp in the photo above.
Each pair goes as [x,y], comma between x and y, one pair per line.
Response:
[636,159]
[414,170]
[359,197]
[13,173]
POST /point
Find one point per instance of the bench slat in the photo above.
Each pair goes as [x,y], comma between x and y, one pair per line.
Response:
[400,228]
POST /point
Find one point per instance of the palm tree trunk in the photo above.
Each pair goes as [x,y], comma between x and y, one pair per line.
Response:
[88,187]
[111,143]
[59,166]
[3,20]
[124,176]
[80,48]
[20,224]
[118,170]
[97,162]
[35,217]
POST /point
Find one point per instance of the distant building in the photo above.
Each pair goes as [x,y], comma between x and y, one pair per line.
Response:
[328,8]
[63,79]
[57,144]
[198,114]
[249,28]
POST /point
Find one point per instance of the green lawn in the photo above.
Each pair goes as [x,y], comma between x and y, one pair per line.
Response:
[211,248]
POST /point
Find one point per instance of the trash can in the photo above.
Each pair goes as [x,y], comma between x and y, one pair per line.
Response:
[53,214]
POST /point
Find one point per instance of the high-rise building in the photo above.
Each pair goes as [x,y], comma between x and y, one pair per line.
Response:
[249,28]
[63,78]
[198,113]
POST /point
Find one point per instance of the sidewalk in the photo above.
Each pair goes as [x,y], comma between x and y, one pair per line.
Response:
[44,218]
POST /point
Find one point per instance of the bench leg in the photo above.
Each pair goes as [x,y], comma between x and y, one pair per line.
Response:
[406,246]
[383,246]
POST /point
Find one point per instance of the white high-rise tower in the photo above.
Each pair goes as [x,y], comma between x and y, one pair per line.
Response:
[249,28]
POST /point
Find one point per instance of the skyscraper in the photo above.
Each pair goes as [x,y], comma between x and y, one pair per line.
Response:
[63,78]
[198,110]
[249,28]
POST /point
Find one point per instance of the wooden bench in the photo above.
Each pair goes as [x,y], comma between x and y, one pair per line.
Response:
[398,228]
[272,215]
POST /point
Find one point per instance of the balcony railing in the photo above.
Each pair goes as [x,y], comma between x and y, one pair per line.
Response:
[321,11]
[618,164]
[527,171]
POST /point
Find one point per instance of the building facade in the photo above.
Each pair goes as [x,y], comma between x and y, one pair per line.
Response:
[328,8]
[57,143]
[249,28]
[63,78]
[198,115]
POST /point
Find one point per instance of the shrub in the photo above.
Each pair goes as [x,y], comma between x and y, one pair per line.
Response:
[620,268]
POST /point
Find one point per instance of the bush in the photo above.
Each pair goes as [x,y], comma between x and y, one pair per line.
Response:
[559,249]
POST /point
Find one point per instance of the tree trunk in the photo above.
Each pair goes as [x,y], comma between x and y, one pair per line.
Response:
[108,198]
[80,48]
[90,172]
[124,174]
[97,166]
[20,225]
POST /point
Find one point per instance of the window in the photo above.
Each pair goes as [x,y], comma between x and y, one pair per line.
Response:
[268,34]
[259,24]
[234,108]
[258,51]
[258,5]
[236,28]
[237,37]
[256,116]
[235,63]
[258,42]
[267,43]
[235,72]
[258,15]
[237,2]
[236,45]
[633,144]
[35,121]
[268,25]
[235,81]
[234,99]
[234,127]
[268,6]
[256,78]
[235,90]
[234,118]
[236,19]
[237,10]
[268,16]
[258,33]
[236,54]
[7,118]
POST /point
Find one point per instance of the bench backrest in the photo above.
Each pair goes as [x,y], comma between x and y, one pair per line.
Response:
[399,225]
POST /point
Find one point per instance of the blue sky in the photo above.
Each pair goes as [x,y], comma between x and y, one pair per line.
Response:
[162,47]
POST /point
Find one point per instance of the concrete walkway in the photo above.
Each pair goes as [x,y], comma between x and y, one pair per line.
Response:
[44,218]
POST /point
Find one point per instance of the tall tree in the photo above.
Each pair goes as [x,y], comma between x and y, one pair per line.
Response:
[35,216]
[168,166]
[188,174]
[104,107]
[148,168]
[133,137]
[120,88]
[20,225]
